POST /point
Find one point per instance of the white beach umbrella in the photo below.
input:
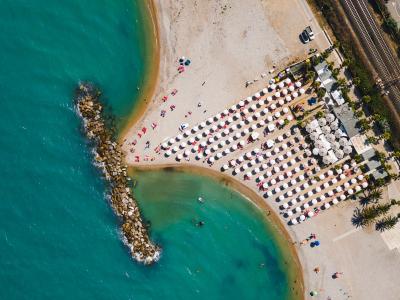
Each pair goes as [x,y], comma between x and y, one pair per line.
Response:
[298,84]
[168,153]
[295,94]
[179,156]
[364,184]
[347,149]
[281,84]
[277,94]
[327,205]
[273,106]
[330,117]
[269,99]
[291,88]
[302,91]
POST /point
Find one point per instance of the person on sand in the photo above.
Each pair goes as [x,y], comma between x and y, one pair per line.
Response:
[336,275]
[316,270]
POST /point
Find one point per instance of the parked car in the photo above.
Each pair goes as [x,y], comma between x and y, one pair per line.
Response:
[304,37]
[310,33]
[307,35]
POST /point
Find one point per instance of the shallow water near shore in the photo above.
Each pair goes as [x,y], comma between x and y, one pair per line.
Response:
[234,255]
[59,238]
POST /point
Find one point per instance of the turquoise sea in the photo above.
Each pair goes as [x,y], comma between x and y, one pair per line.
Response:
[59,238]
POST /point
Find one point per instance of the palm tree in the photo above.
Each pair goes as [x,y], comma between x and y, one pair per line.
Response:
[310,76]
[366,99]
[316,84]
[386,135]
[372,140]
[341,82]
[375,195]
[381,156]
[386,223]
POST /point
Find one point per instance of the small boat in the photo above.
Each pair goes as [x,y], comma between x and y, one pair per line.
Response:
[200,199]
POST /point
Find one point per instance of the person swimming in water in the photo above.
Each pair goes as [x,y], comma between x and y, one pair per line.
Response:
[200,223]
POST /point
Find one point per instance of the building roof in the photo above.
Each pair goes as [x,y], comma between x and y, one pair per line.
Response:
[373,164]
[346,116]
[379,173]
[337,96]
[325,76]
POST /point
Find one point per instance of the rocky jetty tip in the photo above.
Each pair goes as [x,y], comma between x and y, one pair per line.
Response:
[109,158]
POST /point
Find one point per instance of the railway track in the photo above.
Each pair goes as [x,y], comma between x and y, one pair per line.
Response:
[382,57]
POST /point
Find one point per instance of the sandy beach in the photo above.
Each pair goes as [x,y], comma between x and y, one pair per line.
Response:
[229,44]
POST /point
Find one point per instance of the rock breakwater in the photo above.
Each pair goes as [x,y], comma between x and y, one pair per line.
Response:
[109,158]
